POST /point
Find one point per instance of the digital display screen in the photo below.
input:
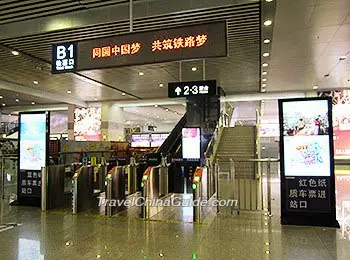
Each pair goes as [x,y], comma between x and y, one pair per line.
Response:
[191,143]
[140,140]
[87,124]
[306,138]
[341,122]
[32,141]
[158,139]
[181,43]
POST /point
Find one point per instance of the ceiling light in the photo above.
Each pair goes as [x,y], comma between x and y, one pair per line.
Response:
[266,54]
[17,100]
[35,82]
[264,85]
[33,103]
[267,22]
[267,41]
[16,53]
[263,90]
[69,91]
[269,1]
[342,58]
[264,80]
[264,73]
[175,113]
[141,73]
[167,109]
[123,94]
[265,64]
[155,105]
[95,99]
[161,85]
[157,116]
[315,87]
[3,104]
[1,97]
[263,148]
[194,68]
[148,114]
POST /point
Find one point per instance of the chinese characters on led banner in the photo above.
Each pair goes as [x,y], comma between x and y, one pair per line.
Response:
[308,193]
[116,50]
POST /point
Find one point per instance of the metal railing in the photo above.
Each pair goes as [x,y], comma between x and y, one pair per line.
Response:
[8,181]
[249,182]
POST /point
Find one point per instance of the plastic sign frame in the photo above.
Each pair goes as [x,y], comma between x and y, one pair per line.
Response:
[306,145]
[207,40]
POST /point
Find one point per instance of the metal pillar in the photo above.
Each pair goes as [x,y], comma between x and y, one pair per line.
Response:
[197,208]
[3,177]
[43,189]
[269,187]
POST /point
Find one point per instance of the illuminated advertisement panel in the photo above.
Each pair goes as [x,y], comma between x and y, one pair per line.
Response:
[307,163]
[33,140]
[87,124]
[158,139]
[341,122]
[180,43]
[191,143]
[140,140]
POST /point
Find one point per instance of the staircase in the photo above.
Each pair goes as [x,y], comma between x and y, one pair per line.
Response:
[237,143]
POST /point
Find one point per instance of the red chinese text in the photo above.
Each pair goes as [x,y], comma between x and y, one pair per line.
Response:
[179,43]
[116,50]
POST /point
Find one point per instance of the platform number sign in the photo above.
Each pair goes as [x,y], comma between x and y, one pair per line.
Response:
[64,57]
[192,88]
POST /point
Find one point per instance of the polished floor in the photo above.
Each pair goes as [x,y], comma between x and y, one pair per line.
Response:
[245,236]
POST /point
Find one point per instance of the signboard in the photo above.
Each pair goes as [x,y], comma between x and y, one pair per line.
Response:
[192,88]
[181,43]
[140,140]
[191,143]
[87,124]
[307,165]
[341,122]
[33,139]
[158,139]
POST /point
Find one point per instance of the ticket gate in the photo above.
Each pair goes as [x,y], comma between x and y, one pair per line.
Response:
[115,182]
[83,190]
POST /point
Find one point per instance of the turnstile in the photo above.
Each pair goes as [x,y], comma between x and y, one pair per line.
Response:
[115,181]
[83,190]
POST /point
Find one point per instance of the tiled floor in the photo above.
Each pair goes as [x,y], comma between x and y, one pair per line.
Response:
[247,236]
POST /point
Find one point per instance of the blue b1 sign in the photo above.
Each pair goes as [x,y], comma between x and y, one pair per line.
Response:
[64,57]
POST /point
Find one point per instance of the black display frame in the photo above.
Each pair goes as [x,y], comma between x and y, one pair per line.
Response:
[31,200]
[200,146]
[212,88]
[307,217]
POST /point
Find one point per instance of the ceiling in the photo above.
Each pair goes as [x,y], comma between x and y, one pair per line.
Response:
[235,74]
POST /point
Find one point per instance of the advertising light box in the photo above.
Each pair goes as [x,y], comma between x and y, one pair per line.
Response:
[87,124]
[158,139]
[191,143]
[140,140]
[180,43]
[307,163]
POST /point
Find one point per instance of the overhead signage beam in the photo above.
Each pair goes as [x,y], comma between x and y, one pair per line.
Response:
[192,88]
[181,43]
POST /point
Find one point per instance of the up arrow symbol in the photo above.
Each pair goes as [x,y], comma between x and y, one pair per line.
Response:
[178,91]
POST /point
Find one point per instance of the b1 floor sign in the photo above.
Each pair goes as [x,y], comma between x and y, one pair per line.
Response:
[64,57]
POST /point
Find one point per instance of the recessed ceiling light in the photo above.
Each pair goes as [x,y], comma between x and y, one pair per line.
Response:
[167,109]
[33,103]
[263,90]
[266,41]
[161,85]
[342,57]
[141,73]
[265,64]
[35,82]
[264,73]
[69,91]
[155,105]
[157,116]
[264,80]
[3,104]
[123,94]
[263,148]
[194,68]
[95,99]
[315,87]
[268,0]
[264,85]
[17,100]
[267,22]
[1,97]
[175,113]
[266,54]
[16,53]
